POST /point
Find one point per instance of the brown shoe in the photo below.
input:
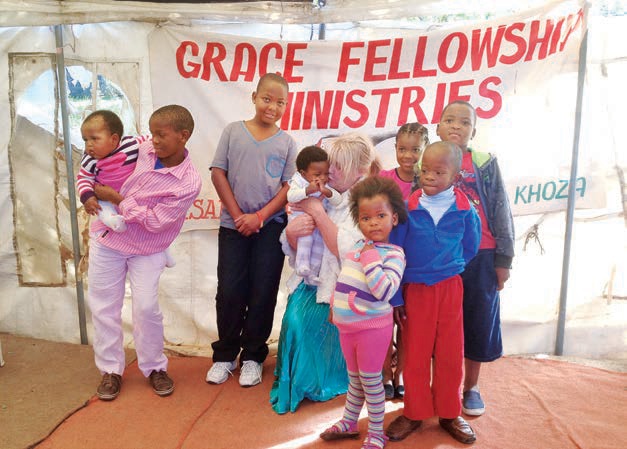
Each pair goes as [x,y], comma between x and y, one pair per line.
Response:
[161,383]
[459,429]
[109,387]
[401,427]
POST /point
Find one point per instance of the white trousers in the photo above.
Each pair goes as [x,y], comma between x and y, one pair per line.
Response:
[106,287]
[309,253]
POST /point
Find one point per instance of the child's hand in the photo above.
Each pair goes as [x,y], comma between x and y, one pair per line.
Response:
[326,192]
[91,206]
[247,224]
[400,316]
[502,275]
[330,317]
[313,187]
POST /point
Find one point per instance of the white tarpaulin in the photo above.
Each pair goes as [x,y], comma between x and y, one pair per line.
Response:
[508,68]
[520,70]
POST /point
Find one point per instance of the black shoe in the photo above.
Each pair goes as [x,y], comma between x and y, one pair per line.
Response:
[389,391]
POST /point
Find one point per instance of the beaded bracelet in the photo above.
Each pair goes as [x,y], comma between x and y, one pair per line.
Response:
[259,218]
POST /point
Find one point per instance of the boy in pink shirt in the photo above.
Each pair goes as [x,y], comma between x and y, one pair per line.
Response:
[153,203]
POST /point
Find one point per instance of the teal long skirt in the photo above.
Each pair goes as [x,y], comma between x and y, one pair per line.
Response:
[310,363]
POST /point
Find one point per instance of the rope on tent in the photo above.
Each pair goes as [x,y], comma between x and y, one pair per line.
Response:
[533,234]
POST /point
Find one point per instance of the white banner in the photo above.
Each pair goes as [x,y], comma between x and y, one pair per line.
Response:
[519,72]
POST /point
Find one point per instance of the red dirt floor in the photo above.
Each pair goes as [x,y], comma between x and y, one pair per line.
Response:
[529,404]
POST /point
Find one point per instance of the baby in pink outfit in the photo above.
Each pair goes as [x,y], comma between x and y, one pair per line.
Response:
[109,159]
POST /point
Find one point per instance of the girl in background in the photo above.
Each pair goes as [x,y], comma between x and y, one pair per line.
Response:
[411,140]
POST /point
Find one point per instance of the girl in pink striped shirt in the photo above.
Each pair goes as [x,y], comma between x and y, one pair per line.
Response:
[371,274]
[153,203]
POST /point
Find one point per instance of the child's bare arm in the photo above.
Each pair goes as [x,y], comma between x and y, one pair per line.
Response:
[246,224]
[223,188]
[400,316]
[107,193]
[276,204]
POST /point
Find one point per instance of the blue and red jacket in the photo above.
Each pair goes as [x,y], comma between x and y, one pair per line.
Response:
[435,253]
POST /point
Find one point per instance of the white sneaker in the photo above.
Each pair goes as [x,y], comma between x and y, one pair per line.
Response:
[303,271]
[219,372]
[250,373]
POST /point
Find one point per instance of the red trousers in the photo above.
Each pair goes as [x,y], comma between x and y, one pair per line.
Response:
[433,328]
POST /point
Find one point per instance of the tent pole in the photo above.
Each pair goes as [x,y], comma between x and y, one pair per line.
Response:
[570,209]
[58,34]
[322,27]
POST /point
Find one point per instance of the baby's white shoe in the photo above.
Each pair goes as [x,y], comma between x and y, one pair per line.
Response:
[117,223]
[169,259]
[110,217]
[303,270]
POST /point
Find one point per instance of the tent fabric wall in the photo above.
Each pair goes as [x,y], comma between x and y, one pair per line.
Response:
[187,291]
[51,12]
[44,311]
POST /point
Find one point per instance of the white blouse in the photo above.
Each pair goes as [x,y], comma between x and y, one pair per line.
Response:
[348,234]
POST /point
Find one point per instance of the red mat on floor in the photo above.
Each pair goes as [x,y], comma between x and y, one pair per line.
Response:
[530,404]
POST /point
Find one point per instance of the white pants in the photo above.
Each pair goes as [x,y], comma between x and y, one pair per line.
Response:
[309,251]
[106,286]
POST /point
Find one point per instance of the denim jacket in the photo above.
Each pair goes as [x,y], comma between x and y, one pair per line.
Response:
[495,204]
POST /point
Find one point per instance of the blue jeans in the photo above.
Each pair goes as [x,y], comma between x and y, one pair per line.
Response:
[482,309]
[249,272]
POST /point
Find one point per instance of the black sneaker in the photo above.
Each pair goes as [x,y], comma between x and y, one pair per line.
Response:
[388,389]
[161,383]
[109,387]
